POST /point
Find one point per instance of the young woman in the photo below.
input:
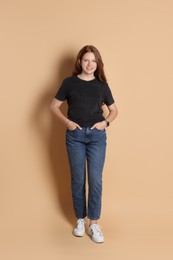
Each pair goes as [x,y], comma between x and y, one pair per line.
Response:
[86,91]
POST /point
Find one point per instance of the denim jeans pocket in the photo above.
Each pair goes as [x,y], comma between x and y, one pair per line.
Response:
[99,130]
[67,130]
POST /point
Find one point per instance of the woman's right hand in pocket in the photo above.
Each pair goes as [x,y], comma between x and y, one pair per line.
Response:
[72,126]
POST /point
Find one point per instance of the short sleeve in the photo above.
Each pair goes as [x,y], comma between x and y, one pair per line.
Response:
[62,91]
[108,98]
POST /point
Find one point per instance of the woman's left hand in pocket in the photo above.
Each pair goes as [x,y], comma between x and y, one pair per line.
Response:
[100,125]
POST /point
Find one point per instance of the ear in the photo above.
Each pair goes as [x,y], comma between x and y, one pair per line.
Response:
[79,62]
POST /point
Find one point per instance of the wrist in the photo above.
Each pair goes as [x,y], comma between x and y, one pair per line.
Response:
[67,122]
[107,122]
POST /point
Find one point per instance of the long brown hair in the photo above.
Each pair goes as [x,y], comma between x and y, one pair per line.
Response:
[99,72]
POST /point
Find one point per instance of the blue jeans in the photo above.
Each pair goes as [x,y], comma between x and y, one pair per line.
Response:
[86,147]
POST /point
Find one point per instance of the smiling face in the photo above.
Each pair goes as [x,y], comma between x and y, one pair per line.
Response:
[88,63]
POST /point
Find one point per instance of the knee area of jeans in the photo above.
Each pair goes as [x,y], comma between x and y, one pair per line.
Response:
[95,183]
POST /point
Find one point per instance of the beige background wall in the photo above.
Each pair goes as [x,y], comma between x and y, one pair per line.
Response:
[39,41]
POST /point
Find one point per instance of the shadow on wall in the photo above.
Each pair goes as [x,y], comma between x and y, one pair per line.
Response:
[54,142]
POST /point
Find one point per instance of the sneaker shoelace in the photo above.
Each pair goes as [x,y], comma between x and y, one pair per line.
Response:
[97,229]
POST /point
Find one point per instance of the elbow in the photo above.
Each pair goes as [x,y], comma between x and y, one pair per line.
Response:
[54,106]
[51,107]
[115,113]
[113,110]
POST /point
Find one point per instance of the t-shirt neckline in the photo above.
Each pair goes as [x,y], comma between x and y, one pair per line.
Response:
[91,80]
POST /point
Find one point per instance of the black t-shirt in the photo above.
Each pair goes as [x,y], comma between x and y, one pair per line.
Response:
[85,99]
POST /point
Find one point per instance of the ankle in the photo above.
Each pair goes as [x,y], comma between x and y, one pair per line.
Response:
[93,222]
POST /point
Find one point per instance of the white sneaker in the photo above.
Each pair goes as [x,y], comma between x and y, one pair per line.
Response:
[95,233]
[79,231]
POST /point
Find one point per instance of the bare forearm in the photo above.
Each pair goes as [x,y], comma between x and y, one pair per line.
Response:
[59,115]
[113,112]
[55,108]
[112,115]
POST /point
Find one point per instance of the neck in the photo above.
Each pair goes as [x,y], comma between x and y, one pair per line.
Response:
[86,76]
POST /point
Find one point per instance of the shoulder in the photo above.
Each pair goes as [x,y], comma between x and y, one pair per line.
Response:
[69,79]
[67,82]
[103,85]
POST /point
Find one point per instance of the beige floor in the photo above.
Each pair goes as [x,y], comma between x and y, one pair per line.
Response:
[50,237]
